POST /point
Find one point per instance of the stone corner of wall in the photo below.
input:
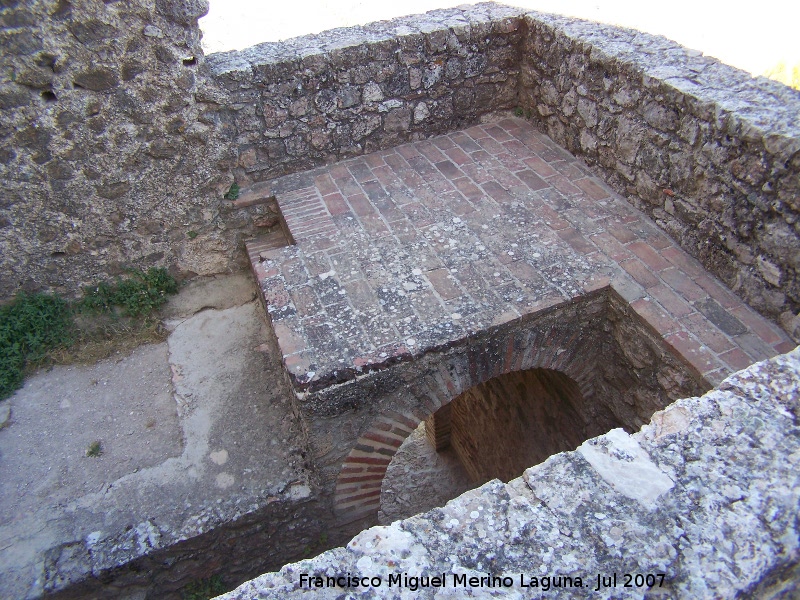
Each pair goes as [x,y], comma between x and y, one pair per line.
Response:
[765,106]
[699,476]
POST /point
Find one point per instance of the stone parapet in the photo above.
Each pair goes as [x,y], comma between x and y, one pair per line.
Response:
[711,154]
[315,99]
[700,503]
[122,138]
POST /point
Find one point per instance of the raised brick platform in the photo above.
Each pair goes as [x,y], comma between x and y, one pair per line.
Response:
[413,249]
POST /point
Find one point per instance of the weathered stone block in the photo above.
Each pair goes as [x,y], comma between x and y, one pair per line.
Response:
[185,12]
[398,119]
[97,80]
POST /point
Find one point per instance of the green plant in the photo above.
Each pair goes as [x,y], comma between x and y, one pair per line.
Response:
[203,589]
[30,326]
[233,192]
[315,546]
[136,296]
[192,234]
[523,112]
[95,449]
[35,328]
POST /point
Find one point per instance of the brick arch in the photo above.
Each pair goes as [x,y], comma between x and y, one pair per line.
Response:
[358,486]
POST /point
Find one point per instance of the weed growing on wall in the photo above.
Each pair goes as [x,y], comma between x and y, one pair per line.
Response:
[233,192]
[95,449]
[203,589]
[30,326]
[36,326]
[136,296]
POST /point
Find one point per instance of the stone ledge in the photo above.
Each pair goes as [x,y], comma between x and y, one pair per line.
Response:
[464,21]
[708,152]
[717,515]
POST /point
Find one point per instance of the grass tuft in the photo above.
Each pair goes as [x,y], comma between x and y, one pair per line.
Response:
[95,449]
[39,328]
[137,295]
[30,327]
[233,192]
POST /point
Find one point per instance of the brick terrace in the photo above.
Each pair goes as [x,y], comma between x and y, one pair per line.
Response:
[415,248]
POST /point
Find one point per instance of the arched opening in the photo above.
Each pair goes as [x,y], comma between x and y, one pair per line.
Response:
[511,422]
[495,429]
[507,402]
[420,478]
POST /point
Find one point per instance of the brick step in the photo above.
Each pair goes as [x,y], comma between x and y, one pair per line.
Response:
[269,241]
[258,193]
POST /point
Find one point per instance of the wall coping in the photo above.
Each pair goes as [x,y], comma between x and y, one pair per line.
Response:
[459,20]
[757,107]
[706,494]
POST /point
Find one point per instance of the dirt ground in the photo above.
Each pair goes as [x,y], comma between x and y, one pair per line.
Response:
[189,432]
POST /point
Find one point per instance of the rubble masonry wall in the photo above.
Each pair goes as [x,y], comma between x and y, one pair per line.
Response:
[119,139]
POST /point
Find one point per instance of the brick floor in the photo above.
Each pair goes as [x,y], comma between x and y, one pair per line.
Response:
[414,248]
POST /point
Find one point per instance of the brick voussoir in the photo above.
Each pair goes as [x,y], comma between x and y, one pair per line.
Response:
[387,439]
[358,479]
[351,489]
[401,421]
[361,457]
[358,507]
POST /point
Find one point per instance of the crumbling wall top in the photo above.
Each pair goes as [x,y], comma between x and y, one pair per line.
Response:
[464,22]
[706,495]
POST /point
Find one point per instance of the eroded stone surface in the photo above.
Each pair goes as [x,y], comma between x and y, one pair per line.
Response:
[104,140]
[727,526]
[183,477]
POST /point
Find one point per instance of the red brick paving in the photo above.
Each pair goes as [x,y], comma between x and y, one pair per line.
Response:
[439,238]
[649,256]
[659,319]
[639,271]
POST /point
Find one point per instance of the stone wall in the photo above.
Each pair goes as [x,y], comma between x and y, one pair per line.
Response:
[711,154]
[141,564]
[703,499]
[119,138]
[356,428]
[316,99]
[107,161]
[122,139]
